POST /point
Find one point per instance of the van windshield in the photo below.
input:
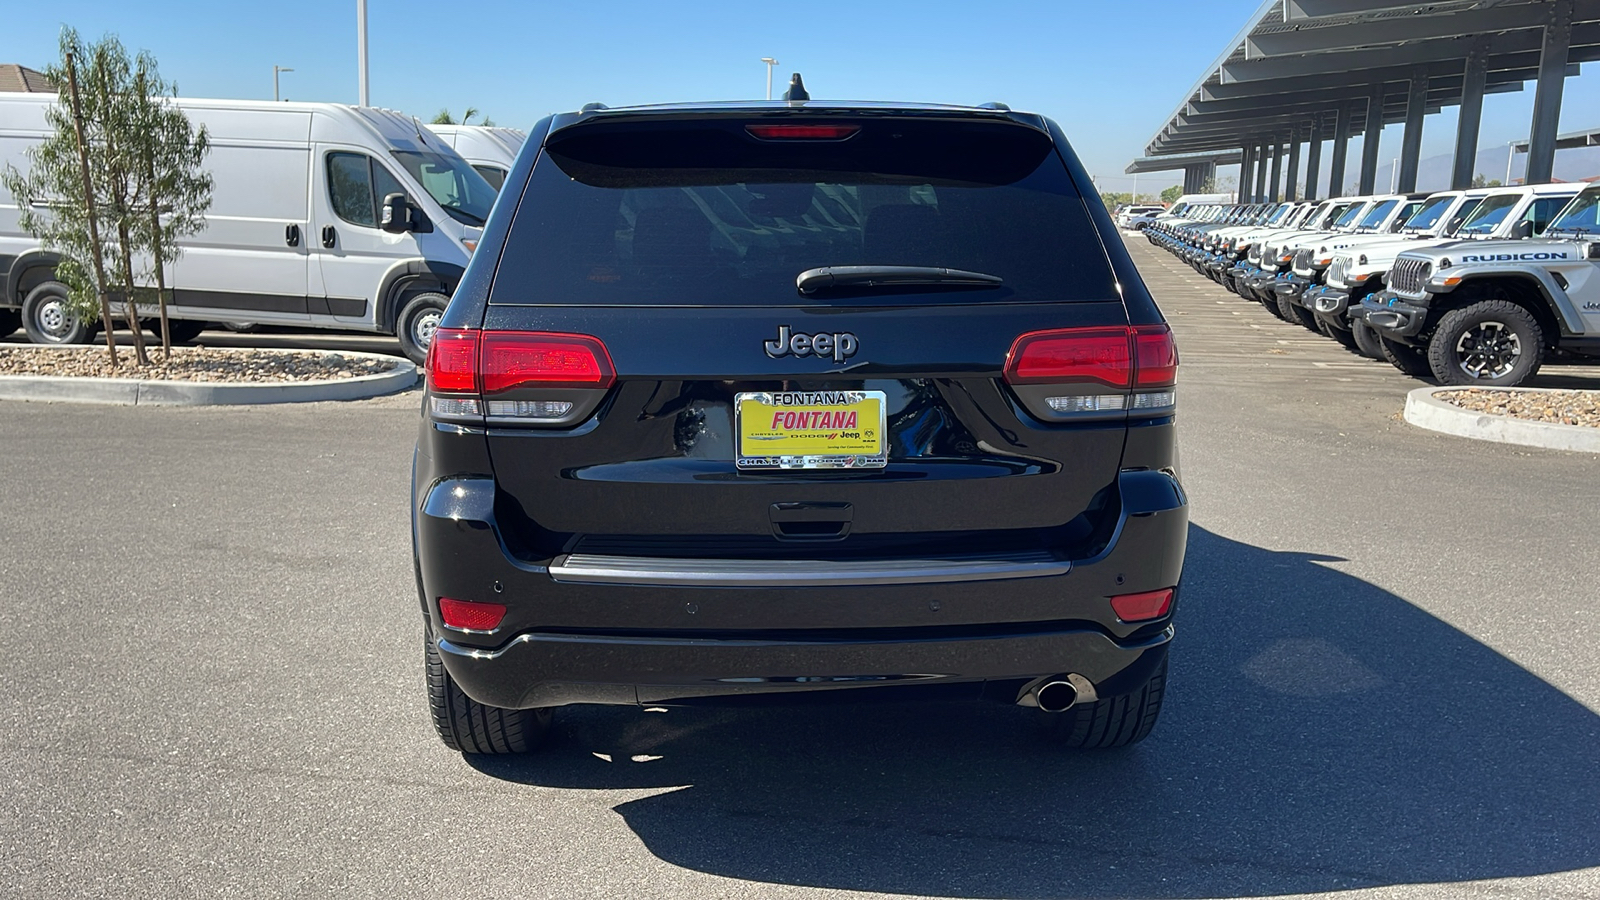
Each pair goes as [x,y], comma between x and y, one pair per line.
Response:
[703,214]
[453,184]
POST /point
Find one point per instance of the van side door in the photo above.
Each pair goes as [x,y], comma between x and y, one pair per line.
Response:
[354,255]
[250,263]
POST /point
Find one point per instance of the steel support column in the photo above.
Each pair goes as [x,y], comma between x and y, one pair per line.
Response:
[1411,138]
[1369,140]
[1261,174]
[1477,72]
[1547,96]
[1341,150]
[1274,179]
[1291,184]
[1247,164]
[1313,160]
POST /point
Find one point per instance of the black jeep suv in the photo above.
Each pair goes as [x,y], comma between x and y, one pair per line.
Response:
[758,400]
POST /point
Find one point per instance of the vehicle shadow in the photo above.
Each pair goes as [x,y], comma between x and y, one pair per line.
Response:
[1321,733]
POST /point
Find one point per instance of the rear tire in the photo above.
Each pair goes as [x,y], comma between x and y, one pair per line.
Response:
[419,318]
[48,319]
[1366,339]
[1113,722]
[1406,358]
[10,321]
[471,727]
[183,331]
[1492,342]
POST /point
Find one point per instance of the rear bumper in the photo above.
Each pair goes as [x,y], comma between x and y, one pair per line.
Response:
[636,631]
[537,669]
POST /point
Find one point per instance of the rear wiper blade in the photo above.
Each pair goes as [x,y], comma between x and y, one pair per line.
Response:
[826,277]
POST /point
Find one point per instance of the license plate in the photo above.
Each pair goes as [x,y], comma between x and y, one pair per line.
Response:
[811,430]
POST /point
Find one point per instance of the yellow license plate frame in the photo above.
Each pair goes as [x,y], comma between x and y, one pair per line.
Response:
[811,429]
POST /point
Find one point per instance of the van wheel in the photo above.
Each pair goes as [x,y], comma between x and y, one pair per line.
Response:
[1115,721]
[183,331]
[48,318]
[1366,339]
[1404,357]
[471,727]
[419,319]
[10,321]
[1493,342]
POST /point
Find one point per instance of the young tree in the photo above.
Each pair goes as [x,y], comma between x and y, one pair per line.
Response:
[1171,194]
[176,187]
[116,185]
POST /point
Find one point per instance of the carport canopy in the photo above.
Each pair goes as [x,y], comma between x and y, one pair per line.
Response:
[1302,72]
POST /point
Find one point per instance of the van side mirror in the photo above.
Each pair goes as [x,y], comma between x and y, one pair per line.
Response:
[1524,229]
[397,214]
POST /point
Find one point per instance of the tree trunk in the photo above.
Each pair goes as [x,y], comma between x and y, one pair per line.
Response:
[133,313]
[88,199]
[153,200]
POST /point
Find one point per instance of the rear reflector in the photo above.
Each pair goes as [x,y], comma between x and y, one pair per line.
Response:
[469,615]
[1142,607]
[1121,356]
[513,359]
[802,132]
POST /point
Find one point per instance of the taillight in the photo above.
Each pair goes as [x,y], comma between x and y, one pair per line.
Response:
[470,372]
[513,359]
[802,132]
[1043,366]
[1142,607]
[1072,355]
[470,615]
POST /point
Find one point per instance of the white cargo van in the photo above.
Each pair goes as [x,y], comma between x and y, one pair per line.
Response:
[491,149]
[322,216]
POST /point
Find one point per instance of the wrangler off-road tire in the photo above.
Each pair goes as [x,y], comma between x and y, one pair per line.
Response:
[1366,339]
[1491,342]
[1115,721]
[1404,357]
[471,727]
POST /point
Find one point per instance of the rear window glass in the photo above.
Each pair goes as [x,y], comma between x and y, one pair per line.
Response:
[704,214]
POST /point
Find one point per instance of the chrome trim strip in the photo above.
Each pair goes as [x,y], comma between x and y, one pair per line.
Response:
[589,568]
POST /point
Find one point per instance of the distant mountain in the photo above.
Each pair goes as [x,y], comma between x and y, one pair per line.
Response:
[1433,173]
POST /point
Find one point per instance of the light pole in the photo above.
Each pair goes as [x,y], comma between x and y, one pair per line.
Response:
[771,64]
[361,50]
[275,71]
[1511,154]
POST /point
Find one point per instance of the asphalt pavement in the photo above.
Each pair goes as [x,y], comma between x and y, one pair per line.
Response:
[1384,681]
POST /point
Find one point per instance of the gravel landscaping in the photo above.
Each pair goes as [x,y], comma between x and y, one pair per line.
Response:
[192,364]
[1556,407]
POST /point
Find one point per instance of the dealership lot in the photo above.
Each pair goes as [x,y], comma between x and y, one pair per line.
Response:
[1384,679]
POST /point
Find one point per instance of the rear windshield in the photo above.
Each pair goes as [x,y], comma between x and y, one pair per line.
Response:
[705,214]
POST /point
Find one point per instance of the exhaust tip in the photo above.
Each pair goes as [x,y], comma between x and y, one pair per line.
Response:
[1056,696]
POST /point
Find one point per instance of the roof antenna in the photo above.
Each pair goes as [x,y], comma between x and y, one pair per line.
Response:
[797,89]
[417,124]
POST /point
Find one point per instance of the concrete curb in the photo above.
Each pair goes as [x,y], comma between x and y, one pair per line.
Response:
[141,392]
[1426,411]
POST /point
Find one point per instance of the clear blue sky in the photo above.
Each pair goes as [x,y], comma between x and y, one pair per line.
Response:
[1110,73]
